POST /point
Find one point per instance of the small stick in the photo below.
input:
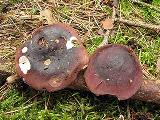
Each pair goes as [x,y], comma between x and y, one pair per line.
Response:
[145,4]
[4,87]
[139,24]
[12,78]
[3,95]
[20,108]
[149,91]
[32,98]
[9,80]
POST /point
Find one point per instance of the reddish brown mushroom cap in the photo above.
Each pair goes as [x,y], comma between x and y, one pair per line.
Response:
[52,58]
[114,70]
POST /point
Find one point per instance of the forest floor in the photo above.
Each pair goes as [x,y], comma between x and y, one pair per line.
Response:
[18,19]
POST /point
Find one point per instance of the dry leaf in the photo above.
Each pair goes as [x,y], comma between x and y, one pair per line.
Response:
[47,14]
[107,24]
[158,64]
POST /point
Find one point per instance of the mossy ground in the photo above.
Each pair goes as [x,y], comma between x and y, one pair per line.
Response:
[24,103]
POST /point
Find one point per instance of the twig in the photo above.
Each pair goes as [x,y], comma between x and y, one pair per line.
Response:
[140,24]
[145,4]
[11,79]
[128,111]
[149,90]
[32,98]
[28,17]
[105,39]
[4,94]
[23,108]
[6,87]
[47,102]
[115,8]
[3,88]
[78,103]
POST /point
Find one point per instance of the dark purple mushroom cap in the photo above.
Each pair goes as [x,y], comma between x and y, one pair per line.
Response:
[52,58]
[114,70]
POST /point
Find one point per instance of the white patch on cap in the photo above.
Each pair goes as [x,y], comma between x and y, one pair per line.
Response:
[24,64]
[23,79]
[69,43]
[24,50]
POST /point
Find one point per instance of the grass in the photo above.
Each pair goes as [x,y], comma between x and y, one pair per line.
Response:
[147,48]
[25,103]
[93,43]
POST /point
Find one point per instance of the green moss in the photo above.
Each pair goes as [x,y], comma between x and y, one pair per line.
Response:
[34,10]
[149,53]
[156,2]
[93,43]
[126,8]
[65,10]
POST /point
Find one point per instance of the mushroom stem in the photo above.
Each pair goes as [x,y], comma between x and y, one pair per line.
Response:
[12,78]
[149,91]
[79,83]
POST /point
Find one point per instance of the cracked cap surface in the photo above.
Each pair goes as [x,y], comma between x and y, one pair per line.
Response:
[54,65]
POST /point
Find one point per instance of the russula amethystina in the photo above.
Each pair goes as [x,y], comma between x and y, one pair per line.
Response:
[52,58]
[114,70]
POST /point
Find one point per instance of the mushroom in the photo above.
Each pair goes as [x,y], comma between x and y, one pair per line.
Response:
[94,81]
[115,70]
[52,58]
[55,58]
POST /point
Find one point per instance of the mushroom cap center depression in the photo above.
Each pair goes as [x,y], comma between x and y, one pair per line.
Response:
[115,66]
[56,58]
[54,43]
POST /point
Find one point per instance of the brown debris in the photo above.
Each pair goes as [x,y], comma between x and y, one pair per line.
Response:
[158,64]
[107,24]
[141,116]
[48,15]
